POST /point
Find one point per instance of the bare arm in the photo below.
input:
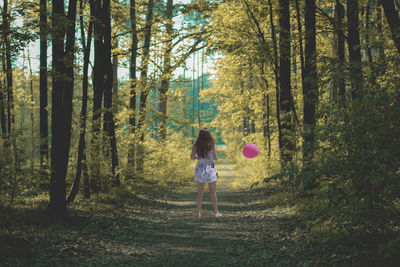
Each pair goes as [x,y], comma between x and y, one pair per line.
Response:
[215,152]
[193,155]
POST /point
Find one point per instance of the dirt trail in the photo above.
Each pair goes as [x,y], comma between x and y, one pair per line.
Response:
[149,232]
[247,235]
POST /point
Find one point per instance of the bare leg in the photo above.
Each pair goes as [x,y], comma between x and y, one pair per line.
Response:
[199,199]
[212,187]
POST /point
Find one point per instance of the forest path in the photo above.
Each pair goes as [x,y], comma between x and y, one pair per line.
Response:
[144,231]
[248,234]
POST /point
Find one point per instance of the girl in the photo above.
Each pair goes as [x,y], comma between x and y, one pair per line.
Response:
[204,150]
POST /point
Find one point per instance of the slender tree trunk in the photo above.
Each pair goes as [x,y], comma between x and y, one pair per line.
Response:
[44,128]
[62,75]
[115,78]
[353,40]
[310,90]
[32,106]
[340,67]
[133,83]
[108,94]
[167,71]
[2,110]
[81,159]
[98,75]
[8,69]
[276,73]
[266,113]
[393,20]
[382,41]
[367,27]
[287,141]
[300,41]
[143,83]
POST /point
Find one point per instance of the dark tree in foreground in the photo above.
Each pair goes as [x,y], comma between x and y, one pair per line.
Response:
[287,141]
[44,145]
[310,87]
[63,43]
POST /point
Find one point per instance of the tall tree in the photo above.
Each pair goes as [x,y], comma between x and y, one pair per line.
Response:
[339,80]
[276,72]
[133,85]
[81,158]
[109,123]
[63,44]
[287,140]
[143,81]
[8,68]
[353,40]
[103,79]
[393,20]
[166,72]
[310,85]
[44,143]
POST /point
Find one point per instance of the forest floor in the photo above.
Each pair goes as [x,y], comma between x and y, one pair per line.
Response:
[149,231]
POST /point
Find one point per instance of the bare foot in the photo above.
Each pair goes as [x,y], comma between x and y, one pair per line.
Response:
[218,215]
[199,215]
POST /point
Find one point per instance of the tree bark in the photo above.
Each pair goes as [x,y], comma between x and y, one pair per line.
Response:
[63,29]
[167,71]
[108,92]
[81,158]
[44,128]
[287,141]
[2,110]
[276,73]
[393,20]
[98,92]
[143,83]
[132,76]
[353,40]
[310,90]
[339,80]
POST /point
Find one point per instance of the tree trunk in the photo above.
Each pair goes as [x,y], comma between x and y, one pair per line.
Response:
[8,69]
[266,113]
[276,73]
[310,90]
[353,40]
[32,106]
[393,20]
[62,76]
[167,71]
[287,141]
[339,80]
[81,160]
[2,111]
[132,74]
[108,91]
[143,83]
[98,75]
[115,78]
[44,128]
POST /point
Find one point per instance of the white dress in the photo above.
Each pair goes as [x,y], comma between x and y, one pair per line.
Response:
[206,172]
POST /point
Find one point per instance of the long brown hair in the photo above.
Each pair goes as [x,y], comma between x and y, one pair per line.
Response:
[204,143]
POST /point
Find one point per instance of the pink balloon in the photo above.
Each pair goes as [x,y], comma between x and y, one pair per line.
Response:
[250,150]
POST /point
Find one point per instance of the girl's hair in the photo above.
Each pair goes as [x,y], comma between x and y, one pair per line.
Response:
[204,143]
